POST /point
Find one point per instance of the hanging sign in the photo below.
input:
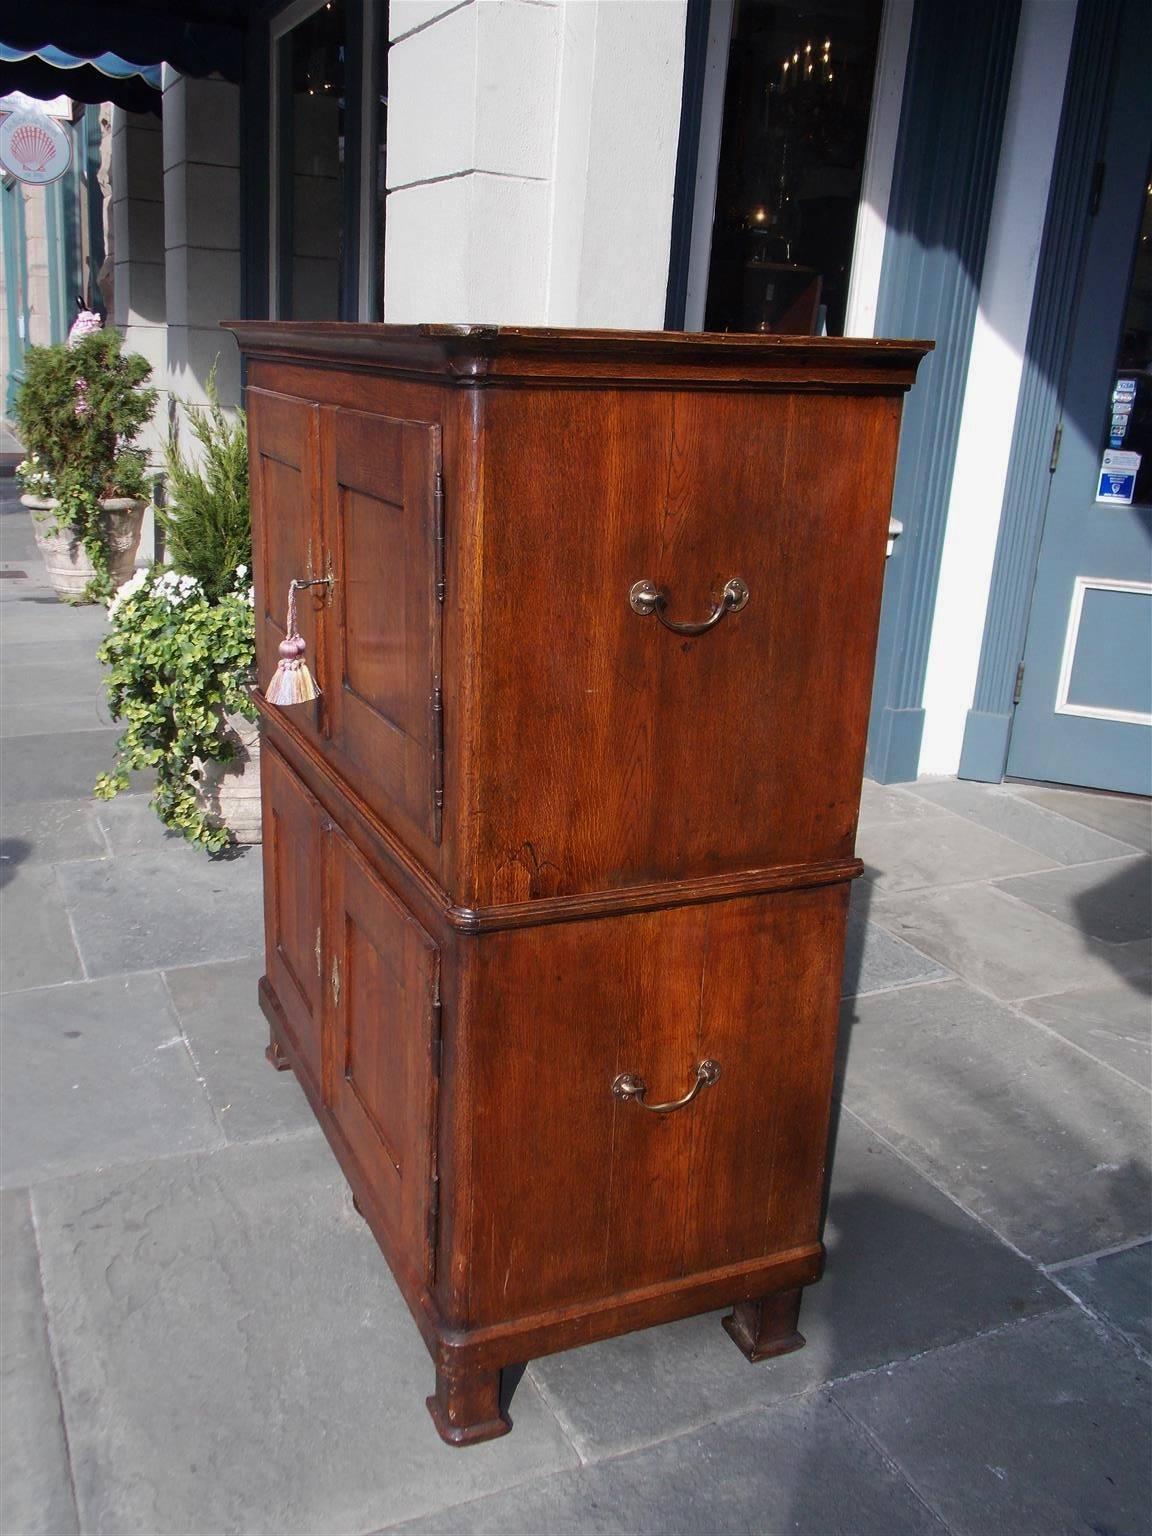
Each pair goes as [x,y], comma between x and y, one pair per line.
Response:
[33,147]
[1118,473]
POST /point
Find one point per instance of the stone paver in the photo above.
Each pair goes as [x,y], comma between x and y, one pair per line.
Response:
[36,1485]
[1047,1146]
[802,1468]
[234,1355]
[1040,1429]
[96,1073]
[200,1337]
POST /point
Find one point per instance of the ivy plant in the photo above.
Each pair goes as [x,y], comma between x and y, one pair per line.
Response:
[178,663]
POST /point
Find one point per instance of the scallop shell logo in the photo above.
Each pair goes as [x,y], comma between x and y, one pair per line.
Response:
[34,148]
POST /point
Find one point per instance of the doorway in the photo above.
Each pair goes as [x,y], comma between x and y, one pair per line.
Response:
[1084,705]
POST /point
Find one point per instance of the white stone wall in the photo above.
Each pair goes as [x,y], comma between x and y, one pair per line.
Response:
[531,160]
[139,312]
[201,233]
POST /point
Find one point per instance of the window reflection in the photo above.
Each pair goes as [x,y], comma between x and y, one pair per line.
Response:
[796,108]
[312,233]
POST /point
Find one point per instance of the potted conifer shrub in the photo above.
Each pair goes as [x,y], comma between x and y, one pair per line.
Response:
[78,412]
[181,649]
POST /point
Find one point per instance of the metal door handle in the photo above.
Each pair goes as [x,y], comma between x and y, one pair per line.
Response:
[629,1086]
[646,597]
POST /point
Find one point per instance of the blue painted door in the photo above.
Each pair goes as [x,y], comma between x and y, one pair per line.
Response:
[1085,708]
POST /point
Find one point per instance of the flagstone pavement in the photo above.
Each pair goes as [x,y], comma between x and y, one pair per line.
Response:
[200,1337]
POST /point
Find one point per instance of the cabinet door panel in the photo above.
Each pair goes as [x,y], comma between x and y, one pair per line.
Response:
[292,849]
[284,467]
[383,540]
[381,1087]
[616,1196]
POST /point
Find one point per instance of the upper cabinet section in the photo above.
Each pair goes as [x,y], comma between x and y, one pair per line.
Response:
[622,635]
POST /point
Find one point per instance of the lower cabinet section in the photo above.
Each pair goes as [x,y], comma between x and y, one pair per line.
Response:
[617,1120]
[578,1192]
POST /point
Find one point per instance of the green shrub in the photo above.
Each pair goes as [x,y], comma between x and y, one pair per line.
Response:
[207,519]
[78,413]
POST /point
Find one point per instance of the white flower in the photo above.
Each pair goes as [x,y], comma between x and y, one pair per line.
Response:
[241,570]
[250,597]
[176,589]
[133,584]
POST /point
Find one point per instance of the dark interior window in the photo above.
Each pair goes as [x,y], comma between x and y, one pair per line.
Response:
[313,165]
[795,126]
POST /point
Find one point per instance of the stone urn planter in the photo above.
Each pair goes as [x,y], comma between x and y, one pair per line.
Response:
[229,793]
[65,558]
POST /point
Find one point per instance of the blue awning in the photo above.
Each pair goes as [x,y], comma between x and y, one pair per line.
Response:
[109,64]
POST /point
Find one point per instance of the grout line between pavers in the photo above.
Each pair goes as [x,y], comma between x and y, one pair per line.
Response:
[1014,1006]
[1097,1253]
[113,1164]
[67,910]
[1105,1321]
[991,880]
[178,1019]
[149,970]
[53,1360]
[889,1460]
[564,1423]
[1045,811]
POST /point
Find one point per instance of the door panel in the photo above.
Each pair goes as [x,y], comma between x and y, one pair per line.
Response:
[292,851]
[1085,709]
[382,536]
[384,1001]
[620,1197]
[285,495]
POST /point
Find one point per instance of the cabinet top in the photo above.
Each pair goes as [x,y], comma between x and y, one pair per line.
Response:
[496,354]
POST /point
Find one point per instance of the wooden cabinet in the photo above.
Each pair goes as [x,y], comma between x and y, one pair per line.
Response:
[557,866]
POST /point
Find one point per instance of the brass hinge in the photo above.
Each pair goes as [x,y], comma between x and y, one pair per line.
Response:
[438,505]
[436,1046]
[433,1223]
[1019,688]
[1057,437]
[438,743]
[335,981]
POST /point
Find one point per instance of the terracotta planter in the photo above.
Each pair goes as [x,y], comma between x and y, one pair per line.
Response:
[66,559]
[229,793]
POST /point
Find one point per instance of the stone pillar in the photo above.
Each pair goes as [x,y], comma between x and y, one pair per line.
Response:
[138,308]
[531,160]
[201,233]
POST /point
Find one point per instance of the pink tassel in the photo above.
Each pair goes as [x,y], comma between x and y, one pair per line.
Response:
[291,683]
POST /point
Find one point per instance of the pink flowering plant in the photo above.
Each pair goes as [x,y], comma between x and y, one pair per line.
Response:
[78,413]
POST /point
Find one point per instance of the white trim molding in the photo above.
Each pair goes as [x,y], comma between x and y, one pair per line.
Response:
[1072,635]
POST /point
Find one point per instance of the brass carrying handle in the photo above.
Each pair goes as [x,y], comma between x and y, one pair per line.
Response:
[629,1086]
[646,597]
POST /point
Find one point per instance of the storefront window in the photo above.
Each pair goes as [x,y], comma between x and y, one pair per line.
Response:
[795,128]
[310,222]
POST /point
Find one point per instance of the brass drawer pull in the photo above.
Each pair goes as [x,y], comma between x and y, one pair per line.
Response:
[629,1086]
[646,597]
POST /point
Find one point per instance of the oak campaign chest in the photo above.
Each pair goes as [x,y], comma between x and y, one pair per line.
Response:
[557,864]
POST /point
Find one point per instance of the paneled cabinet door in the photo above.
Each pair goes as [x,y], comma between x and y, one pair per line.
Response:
[292,848]
[284,469]
[383,1070]
[383,536]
